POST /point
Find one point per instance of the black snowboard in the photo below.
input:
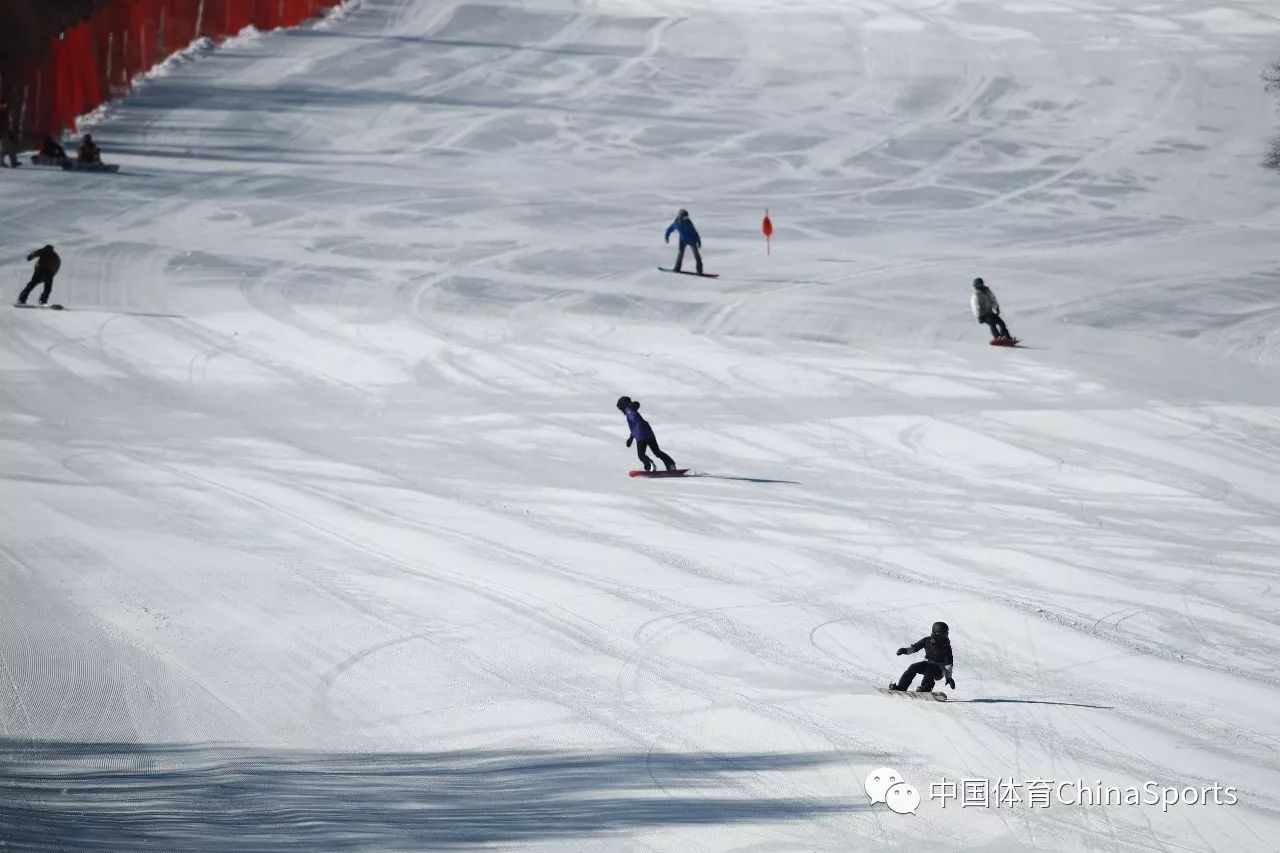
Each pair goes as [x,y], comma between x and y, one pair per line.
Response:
[698,274]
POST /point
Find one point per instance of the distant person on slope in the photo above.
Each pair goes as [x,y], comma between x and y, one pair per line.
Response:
[47,265]
[89,152]
[8,142]
[688,239]
[642,435]
[936,664]
[8,148]
[987,310]
[50,148]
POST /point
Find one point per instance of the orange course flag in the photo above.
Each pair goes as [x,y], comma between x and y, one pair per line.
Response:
[767,228]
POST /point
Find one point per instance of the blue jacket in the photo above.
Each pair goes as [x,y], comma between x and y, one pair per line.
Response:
[640,429]
[688,234]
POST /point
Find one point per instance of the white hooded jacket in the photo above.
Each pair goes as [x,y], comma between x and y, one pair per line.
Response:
[984,302]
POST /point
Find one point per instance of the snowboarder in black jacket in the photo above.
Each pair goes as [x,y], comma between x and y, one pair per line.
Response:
[936,664]
[47,265]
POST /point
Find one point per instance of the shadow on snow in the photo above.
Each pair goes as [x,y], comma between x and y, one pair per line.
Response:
[745,479]
[1026,702]
[107,796]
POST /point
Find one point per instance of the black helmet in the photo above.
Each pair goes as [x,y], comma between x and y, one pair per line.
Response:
[624,403]
[978,284]
[682,213]
[940,629]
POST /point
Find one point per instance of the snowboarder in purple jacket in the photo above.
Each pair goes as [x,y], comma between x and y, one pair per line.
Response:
[642,435]
[688,239]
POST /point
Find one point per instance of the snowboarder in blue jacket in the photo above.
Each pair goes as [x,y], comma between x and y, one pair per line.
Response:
[688,238]
[642,435]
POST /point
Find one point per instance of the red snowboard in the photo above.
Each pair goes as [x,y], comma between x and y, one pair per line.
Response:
[1002,342]
[678,472]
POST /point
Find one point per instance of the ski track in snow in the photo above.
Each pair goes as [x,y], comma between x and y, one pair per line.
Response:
[317,532]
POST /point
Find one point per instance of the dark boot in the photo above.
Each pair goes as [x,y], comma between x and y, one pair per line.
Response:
[666,460]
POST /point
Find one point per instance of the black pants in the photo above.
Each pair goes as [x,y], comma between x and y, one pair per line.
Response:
[997,326]
[931,672]
[697,256]
[652,444]
[40,276]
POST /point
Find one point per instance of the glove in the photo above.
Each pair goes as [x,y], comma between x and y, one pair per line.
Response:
[951,682]
[904,651]
[630,439]
[667,240]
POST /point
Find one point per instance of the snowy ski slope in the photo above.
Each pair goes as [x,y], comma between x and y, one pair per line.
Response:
[316,532]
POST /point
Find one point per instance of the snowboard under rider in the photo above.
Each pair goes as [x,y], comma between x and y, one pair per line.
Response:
[936,664]
[47,265]
[688,239]
[642,435]
[987,309]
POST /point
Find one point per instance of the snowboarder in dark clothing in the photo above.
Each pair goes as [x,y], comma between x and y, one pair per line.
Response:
[987,310]
[50,148]
[89,152]
[936,664]
[688,239]
[47,265]
[642,435]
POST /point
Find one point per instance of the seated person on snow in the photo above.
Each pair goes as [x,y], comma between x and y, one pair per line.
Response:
[51,149]
[89,152]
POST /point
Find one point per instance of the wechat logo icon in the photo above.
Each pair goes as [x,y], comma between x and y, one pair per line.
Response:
[885,785]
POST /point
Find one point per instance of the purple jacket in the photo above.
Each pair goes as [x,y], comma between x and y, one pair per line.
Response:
[640,429]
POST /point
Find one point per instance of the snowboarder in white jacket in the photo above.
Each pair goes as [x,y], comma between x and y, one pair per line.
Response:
[987,309]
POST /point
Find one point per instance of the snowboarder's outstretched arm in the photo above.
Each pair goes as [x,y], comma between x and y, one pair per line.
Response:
[666,238]
[914,647]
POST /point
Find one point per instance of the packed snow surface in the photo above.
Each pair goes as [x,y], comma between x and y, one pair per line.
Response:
[316,529]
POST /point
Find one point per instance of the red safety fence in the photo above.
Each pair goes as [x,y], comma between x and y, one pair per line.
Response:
[98,58]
